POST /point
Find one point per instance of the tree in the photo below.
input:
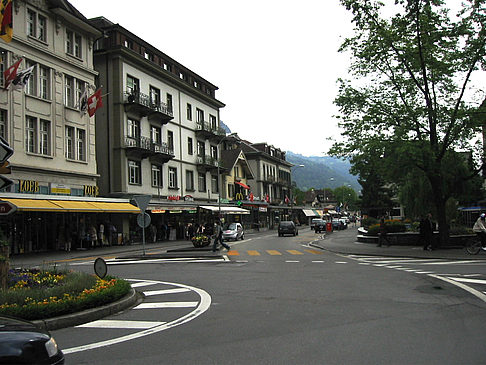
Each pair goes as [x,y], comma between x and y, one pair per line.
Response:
[412,96]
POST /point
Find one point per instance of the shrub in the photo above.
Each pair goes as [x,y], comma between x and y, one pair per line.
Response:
[74,293]
[390,226]
[368,222]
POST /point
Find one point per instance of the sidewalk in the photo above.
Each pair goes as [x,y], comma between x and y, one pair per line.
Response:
[345,242]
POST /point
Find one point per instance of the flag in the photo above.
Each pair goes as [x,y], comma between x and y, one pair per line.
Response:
[22,77]
[10,73]
[252,197]
[267,198]
[6,20]
[287,200]
[83,102]
[94,102]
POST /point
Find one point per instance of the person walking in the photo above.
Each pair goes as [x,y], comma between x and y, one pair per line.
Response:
[383,237]
[480,229]
[218,237]
[426,232]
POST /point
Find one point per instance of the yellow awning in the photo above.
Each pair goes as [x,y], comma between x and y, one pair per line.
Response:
[34,205]
[116,207]
[43,205]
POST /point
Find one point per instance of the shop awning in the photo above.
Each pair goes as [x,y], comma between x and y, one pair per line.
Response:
[242,185]
[226,210]
[310,213]
[44,205]
[34,205]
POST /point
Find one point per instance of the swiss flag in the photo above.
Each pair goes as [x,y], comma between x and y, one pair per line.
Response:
[287,200]
[251,196]
[94,102]
[11,73]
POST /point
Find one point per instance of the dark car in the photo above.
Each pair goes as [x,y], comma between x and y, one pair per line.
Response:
[320,225]
[287,227]
[21,342]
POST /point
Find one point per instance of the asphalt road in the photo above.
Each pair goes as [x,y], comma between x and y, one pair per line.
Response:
[276,300]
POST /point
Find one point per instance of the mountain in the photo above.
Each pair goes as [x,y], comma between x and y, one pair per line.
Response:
[321,172]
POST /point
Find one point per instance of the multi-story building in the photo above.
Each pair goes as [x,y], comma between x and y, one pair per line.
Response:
[159,131]
[273,179]
[54,169]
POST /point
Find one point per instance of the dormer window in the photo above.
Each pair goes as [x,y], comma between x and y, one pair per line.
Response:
[182,76]
[148,56]
[128,44]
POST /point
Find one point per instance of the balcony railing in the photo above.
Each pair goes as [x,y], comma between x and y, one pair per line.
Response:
[142,103]
[147,147]
[209,161]
[208,129]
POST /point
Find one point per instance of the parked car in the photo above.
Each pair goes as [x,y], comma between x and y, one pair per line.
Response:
[21,342]
[337,224]
[320,225]
[344,222]
[234,231]
[287,227]
[313,222]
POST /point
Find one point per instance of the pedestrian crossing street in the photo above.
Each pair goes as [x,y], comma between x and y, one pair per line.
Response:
[165,305]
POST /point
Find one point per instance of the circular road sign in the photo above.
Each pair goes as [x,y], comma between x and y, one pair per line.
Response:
[143,223]
[100,267]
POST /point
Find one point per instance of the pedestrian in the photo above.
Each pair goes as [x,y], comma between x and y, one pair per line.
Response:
[190,231]
[153,231]
[383,236]
[101,233]
[218,237]
[93,236]
[426,231]
[480,229]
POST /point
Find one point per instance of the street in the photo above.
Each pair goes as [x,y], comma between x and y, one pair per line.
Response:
[277,300]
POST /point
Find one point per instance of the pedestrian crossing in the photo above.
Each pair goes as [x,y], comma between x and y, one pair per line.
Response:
[273,252]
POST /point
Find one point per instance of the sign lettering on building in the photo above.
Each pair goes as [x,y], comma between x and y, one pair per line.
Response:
[60,189]
[28,186]
[90,190]
[174,197]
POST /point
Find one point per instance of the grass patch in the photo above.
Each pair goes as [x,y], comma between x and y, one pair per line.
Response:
[36,294]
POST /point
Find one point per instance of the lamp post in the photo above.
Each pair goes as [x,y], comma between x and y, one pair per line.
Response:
[292,195]
[220,184]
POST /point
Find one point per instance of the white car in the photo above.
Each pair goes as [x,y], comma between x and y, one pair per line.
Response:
[233,231]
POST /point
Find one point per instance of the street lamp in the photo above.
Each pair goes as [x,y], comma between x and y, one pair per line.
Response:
[220,187]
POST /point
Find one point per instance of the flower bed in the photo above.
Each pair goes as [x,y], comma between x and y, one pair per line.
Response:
[36,294]
[201,241]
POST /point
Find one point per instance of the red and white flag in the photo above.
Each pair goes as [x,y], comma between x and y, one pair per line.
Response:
[22,77]
[10,73]
[94,102]
[287,200]
[252,197]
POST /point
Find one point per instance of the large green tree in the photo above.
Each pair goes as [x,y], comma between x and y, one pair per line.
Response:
[411,92]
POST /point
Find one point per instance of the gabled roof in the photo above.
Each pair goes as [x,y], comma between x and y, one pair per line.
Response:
[231,157]
[64,9]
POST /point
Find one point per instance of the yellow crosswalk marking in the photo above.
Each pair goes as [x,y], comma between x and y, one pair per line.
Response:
[253,253]
[315,252]
[273,252]
[294,252]
[233,253]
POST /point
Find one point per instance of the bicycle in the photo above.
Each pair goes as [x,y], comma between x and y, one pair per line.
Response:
[473,246]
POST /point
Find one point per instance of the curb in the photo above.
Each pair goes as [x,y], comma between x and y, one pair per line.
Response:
[92,314]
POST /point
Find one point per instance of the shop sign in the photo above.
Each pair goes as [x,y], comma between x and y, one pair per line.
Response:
[188,198]
[90,190]
[262,209]
[175,211]
[174,197]
[224,201]
[28,186]
[155,211]
[60,189]
[192,211]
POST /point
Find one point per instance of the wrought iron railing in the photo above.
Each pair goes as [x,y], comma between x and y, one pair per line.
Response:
[209,160]
[146,143]
[132,96]
[205,126]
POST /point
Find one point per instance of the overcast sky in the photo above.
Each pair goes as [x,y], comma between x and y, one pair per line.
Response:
[275,62]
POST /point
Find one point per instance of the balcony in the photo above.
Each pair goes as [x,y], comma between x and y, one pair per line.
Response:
[268,179]
[143,147]
[282,182]
[207,131]
[141,105]
[208,163]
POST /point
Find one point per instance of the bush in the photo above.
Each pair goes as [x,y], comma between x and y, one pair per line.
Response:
[74,292]
[368,222]
[390,226]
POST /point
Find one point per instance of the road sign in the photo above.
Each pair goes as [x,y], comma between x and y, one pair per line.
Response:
[142,201]
[4,182]
[5,151]
[7,208]
[143,220]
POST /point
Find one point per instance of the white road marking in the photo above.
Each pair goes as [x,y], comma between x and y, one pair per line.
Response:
[474,292]
[203,306]
[143,283]
[291,261]
[393,267]
[340,262]
[166,305]
[465,280]
[318,262]
[453,262]
[165,291]
[121,324]
[424,272]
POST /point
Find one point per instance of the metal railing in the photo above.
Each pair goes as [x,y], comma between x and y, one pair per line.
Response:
[205,126]
[146,143]
[209,160]
[132,96]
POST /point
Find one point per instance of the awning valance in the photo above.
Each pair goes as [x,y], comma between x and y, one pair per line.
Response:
[46,205]
[310,213]
[226,210]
